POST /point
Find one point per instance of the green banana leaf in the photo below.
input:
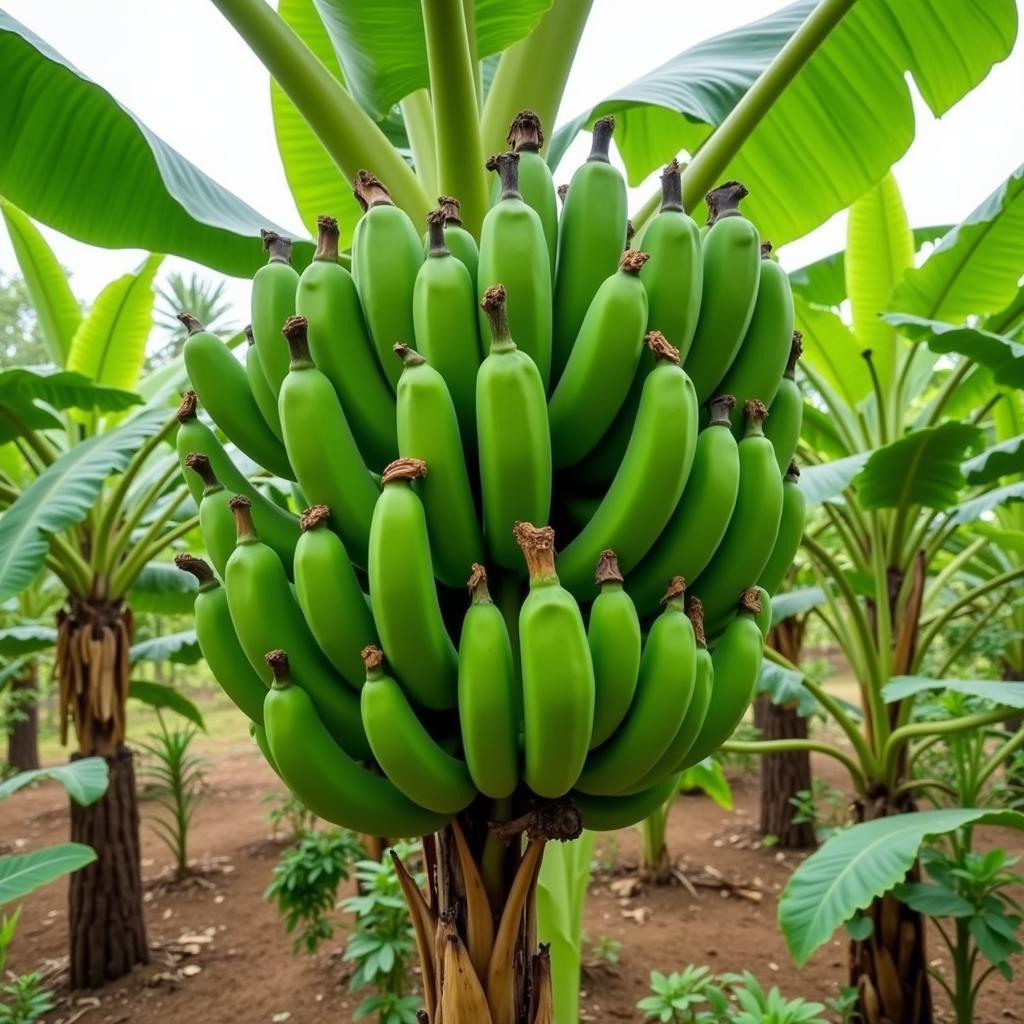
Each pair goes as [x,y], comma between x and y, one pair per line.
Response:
[795,602]
[1005,540]
[922,468]
[162,697]
[23,873]
[84,779]
[163,589]
[861,863]
[382,49]
[827,481]
[110,344]
[1000,460]
[16,641]
[58,313]
[785,688]
[843,122]
[63,495]
[61,389]
[975,508]
[1004,694]
[181,648]
[709,777]
[976,267]
[833,351]
[76,159]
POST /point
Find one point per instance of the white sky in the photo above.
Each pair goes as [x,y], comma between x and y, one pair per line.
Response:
[181,68]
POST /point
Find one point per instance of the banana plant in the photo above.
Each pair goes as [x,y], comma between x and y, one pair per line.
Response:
[900,439]
[89,499]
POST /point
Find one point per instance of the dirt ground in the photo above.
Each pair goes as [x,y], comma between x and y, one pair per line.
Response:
[219,952]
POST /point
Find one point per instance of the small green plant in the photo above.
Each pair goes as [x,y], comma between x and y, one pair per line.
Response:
[844,1006]
[675,998]
[23,1000]
[288,817]
[175,776]
[305,884]
[382,945]
[824,806]
[606,949]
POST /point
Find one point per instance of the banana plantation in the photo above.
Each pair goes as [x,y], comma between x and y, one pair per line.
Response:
[481,548]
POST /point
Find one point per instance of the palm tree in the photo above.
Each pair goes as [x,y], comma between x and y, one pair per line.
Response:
[201,296]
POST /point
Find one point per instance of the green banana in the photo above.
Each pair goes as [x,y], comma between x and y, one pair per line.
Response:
[428,429]
[663,693]
[403,595]
[218,642]
[791,532]
[461,243]
[258,733]
[701,517]
[613,634]
[223,387]
[340,346]
[513,253]
[732,270]
[277,526]
[764,617]
[602,364]
[750,536]
[526,138]
[674,276]
[513,439]
[591,237]
[216,521]
[610,813]
[786,414]
[407,754]
[444,316]
[264,397]
[324,777]
[737,667]
[329,594]
[265,613]
[489,699]
[557,672]
[328,464]
[647,486]
[273,301]
[761,360]
[386,257]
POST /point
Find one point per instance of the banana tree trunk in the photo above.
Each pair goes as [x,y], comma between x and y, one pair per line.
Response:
[107,929]
[889,969]
[476,925]
[23,736]
[782,777]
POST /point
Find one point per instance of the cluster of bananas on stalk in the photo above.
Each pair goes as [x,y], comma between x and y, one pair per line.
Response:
[446,411]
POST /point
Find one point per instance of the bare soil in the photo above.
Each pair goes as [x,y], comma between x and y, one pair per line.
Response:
[220,954]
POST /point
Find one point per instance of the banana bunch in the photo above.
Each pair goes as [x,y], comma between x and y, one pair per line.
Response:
[442,412]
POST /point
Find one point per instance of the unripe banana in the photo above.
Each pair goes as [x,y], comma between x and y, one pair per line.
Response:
[461,243]
[264,611]
[761,360]
[700,518]
[489,699]
[613,634]
[264,397]
[273,301]
[610,813]
[331,599]
[328,464]
[216,521]
[258,733]
[403,595]
[513,439]
[750,536]
[557,672]
[764,617]
[428,429]
[732,269]
[386,257]
[324,777]
[791,531]
[444,315]
[513,253]
[663,694]
[601,365]
[408,755]
[787,410]
[647,486]
[591,237]
[223,387]
[340,347]
[525,138]
[217,640]
[737,666]
[277,527]
[674,276]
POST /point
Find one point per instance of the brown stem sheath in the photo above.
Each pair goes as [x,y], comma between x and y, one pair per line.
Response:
[326,239]
[403,469]
[633,261]
[766,250]
[436,220]
[190,323]
[200,465]
[241,507]
[250,338]
[277,248]
[198,567]
[507,166]
[187,409]
[408,355]
[671,187]
[494,306]
[296,333]
[370,191]
[695,610]
[756,412]
[661,347]
[452,209]
[313,517]
[793,472]
[674,595]
[750,601]
[724,201]
[373,658]
[525,134]
[278,662]
[537,544]
[600,143]
[721,408]
[796,350]
[607,570]
[477,584]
